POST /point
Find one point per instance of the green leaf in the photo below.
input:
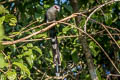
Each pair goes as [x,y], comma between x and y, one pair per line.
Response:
[44,35]
[25,48]
[11,75]
[29,45]
[13,22]
[36,48]
[7,38]
[11,19]
[38,17]
[2,61]
[27,53]
[49,60]
[30,60]
[2,19]
[87,77]
[1,27]
[66,29]
[75,55]
[118,42]
[22,67]
[14,33]
[46,6]
[3,77]
[3,10]
[108,18]
[1,32]
[94,48]
[82,22]
[68,7]
[8,17]
[99,75]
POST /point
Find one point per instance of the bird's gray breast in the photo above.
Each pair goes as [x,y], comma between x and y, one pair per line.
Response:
[51,15]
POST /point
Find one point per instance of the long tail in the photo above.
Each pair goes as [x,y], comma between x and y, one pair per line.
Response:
[55,50]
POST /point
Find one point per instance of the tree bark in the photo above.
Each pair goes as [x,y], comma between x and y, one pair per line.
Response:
[83,39]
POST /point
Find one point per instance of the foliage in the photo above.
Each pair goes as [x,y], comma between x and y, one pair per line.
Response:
[33,59]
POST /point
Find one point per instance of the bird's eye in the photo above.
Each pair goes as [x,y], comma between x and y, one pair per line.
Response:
[56,7]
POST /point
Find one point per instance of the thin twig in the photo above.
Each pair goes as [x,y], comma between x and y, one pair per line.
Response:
[113,75]
[100,9]
[7,59]
[43,30]
[96,43]
[111,36]
[21,31]
[3,2]
[43,76]
[38,32]
[50,77]
[85,25]
[63,37]
[102,24]
[2,71]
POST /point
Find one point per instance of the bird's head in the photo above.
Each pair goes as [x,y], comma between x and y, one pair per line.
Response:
[56,7]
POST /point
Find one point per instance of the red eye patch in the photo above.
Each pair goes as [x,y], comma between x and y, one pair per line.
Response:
[56,7]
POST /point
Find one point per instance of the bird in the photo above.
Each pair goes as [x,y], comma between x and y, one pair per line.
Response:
[51,15]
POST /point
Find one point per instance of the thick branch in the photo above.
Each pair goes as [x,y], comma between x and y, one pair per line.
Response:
[84,43]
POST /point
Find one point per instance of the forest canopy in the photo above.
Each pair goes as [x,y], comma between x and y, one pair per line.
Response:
[88,34]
